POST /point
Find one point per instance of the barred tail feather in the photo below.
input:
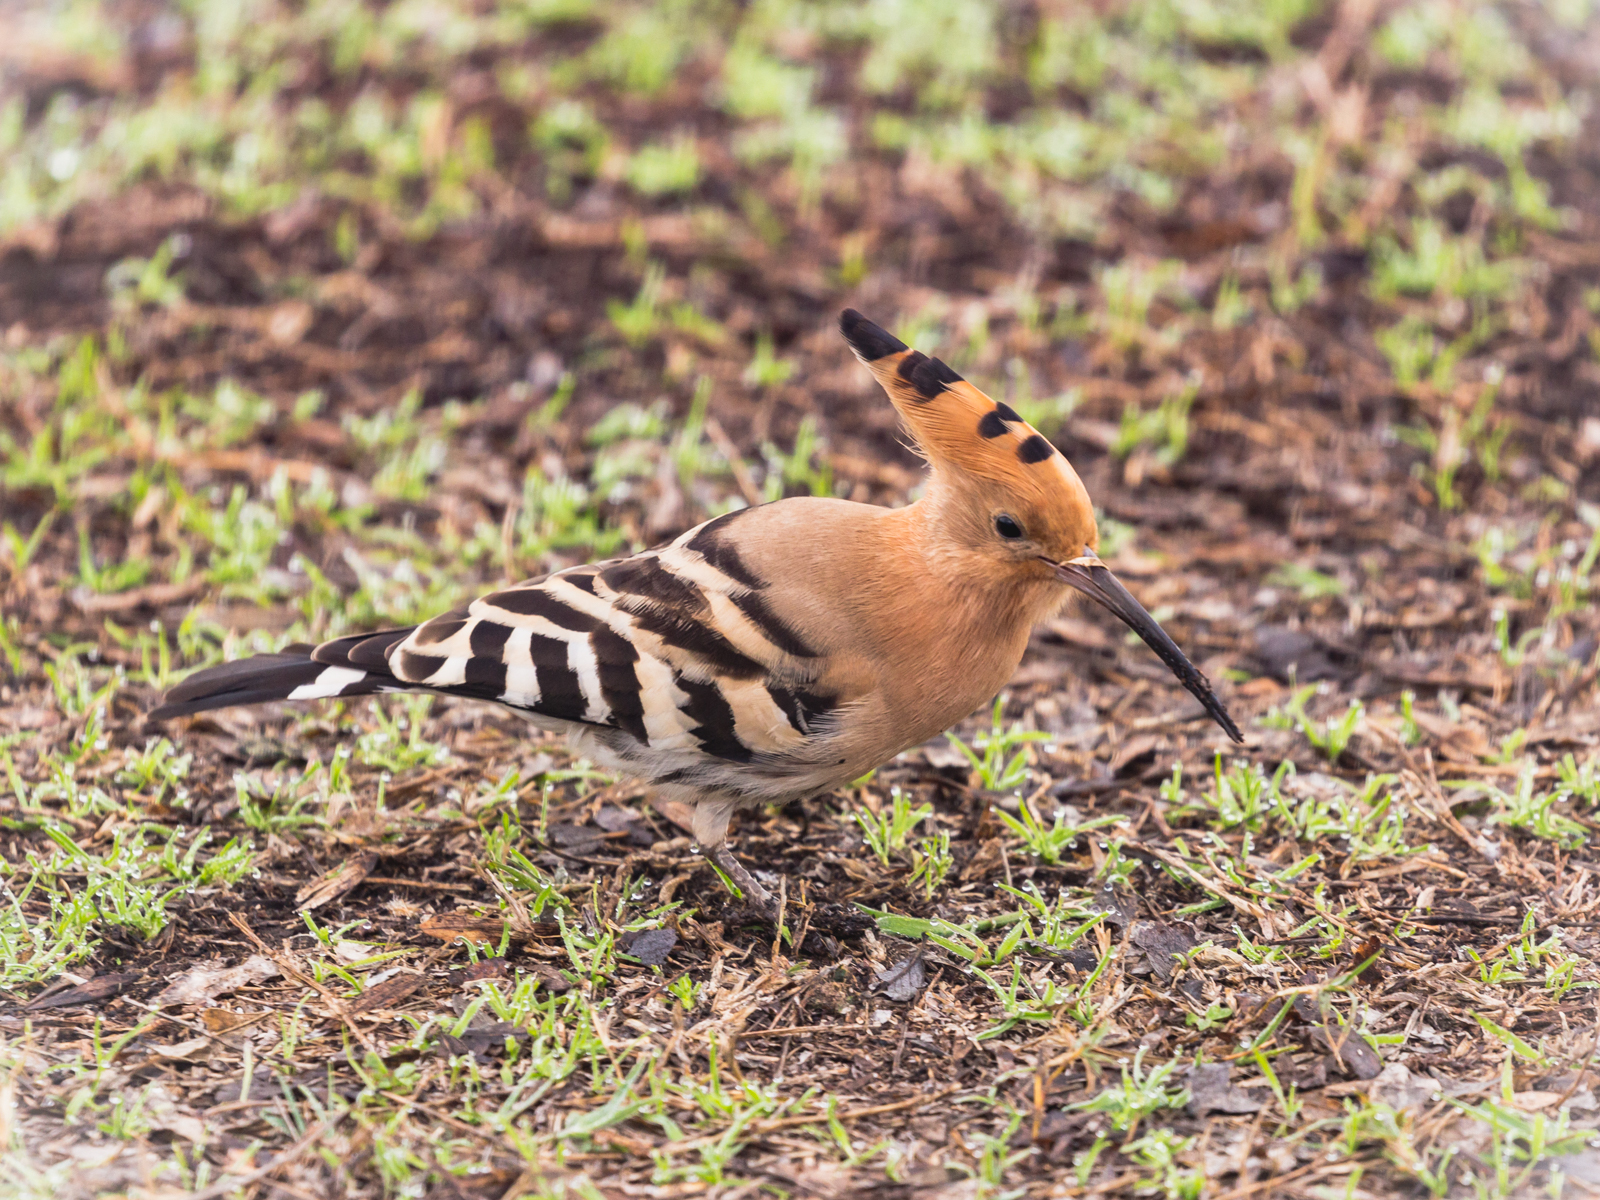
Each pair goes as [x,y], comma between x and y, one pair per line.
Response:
[367,651]
[292,674]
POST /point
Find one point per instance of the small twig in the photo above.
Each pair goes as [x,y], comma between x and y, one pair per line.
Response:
[1272,1181]
[559,853]
[508,544]
[1089,787]
[334,1003]
[787,1030]
[154,595]
[741,473]
[783,904]
[873,1110]
[799,940]
[425,884]
[1440,805]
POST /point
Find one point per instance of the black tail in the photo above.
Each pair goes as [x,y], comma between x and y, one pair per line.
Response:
[349,666]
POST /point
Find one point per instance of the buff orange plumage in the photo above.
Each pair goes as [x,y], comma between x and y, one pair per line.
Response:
[779,651]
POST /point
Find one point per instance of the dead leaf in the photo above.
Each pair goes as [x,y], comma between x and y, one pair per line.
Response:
[348,952]
[205,983]
[1119,907]
[483,1038]
[222,1020]
[624,820]
[1397,1087]
[164,1112]
[1078,632]
[676,811]
[336,882]
[549,978]
[1162,944]
[576,839]
[193,1050]
[1583,1166]
[1533,1101]
[489,968]
[447,927]
[484,1185]
[1370,948]
[905,979]
[1134,749]
[986,859]
[1293,654]
[101,987]
[289,322]
[1348,1048]
[388,993]
[1210,1091]
[649,946]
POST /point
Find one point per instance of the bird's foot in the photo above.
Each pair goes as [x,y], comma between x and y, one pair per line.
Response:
[755,895]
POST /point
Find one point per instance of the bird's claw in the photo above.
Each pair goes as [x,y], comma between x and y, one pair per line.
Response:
[755,895]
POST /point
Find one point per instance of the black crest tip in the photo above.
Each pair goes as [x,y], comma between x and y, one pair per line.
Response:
[870,341]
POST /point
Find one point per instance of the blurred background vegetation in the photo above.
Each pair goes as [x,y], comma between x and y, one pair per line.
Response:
[419,113]
[371,241]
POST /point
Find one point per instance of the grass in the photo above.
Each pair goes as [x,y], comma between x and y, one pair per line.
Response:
[342,315]
[999,756]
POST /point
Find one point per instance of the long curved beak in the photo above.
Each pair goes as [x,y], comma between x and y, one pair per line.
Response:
[1094,579]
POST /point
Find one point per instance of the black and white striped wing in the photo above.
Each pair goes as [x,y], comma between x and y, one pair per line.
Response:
[674,659]
[677,648]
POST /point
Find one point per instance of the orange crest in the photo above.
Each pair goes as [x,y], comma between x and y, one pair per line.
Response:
[964,432]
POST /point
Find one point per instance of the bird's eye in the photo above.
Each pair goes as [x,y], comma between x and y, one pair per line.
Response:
[1007,527]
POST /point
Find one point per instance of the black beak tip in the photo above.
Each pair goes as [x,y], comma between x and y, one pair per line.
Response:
[1100,585]
[1199,687]
[1222,717]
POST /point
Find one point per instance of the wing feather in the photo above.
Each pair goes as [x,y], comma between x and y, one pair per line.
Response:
[675,657]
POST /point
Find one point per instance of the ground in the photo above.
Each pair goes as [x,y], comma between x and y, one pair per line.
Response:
[322,318]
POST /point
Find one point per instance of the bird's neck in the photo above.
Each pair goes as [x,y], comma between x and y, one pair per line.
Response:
[937,608]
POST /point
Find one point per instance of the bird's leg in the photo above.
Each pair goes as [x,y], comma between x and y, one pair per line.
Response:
[755,895]
[710,825]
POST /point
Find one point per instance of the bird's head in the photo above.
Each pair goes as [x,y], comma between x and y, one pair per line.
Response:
[1009,496]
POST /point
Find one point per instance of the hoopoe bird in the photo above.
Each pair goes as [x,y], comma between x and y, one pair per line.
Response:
[776,652]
